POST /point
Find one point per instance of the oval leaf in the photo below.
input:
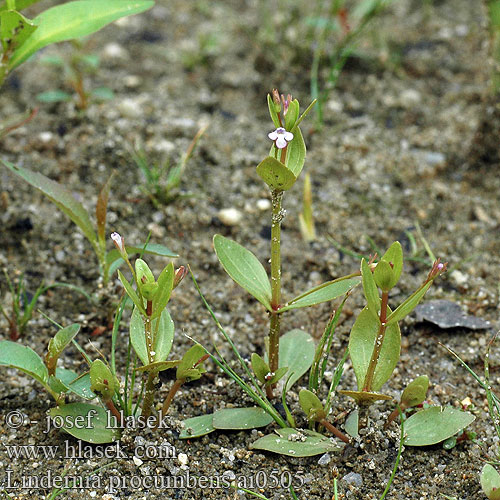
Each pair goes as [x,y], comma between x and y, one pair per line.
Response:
[197,426]
[322,293]
[241,418]
[490,482]
[165,287]
[58,343]
[361,344]
[275,174]
[163,338]
[307,444]
[296,352]
[365,398]
[92,424]
[244,268]
[74,20]
[408,305]
[23,358]
[434,425]
[415,392]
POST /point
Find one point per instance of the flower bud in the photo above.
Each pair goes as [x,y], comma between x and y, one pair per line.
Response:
[179,275]
[119,242]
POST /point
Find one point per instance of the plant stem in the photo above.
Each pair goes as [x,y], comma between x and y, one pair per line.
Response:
[397,411]
[334,431]
[148,396]
[274,327]
[170,397]
[378,344]
[112,408]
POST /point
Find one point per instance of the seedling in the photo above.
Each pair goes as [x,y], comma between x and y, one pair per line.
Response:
[23,303]
[162,181]
[21,37]
[151,337]
[62,197]
[75,70]
[375,339]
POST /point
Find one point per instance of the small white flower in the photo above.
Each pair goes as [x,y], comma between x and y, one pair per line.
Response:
[281,137]
[118,241]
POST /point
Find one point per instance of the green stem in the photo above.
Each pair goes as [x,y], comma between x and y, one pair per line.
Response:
[11,4]
[274,327]
[378,344]
[147,330]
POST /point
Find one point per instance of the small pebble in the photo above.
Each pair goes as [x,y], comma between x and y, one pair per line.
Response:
[182,458]
[114,51]
[137,461]
[325,459]
[353,478]
[409,98]
[263,204]
[230,216]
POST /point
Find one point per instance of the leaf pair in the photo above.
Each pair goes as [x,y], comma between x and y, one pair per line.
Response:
[249,273]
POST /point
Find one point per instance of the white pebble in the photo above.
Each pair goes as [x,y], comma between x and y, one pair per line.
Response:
[263,204]
[137,461]
[230,216]
[183,458]
[114,51]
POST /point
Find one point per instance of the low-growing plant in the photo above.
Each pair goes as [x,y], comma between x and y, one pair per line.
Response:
[151,334]
[62,197]
[162,181]
[75,69]
[23,303]
[21,37]
[489,478]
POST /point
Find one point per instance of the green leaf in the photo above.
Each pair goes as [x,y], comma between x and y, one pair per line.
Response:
[244,268]
[241,418]
[58,343]
[296,153]
[490,482]
[162,341]
[408,305]
[53,96]
[14,29]
[311,405]
[370,289]
[165,287]
[272,111]
[189,362]
[394,256]
[197,426]
[131,293]
[295,443]
[351,424]
[415,392]
[60,196]
[321,293]
[20,4]
[102,381]
[275,174]
[74,20]
[23,358]
[296,352]
[72,382]
[435,424]
[361,343]
[91,426]
[259,367]
[292,115]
